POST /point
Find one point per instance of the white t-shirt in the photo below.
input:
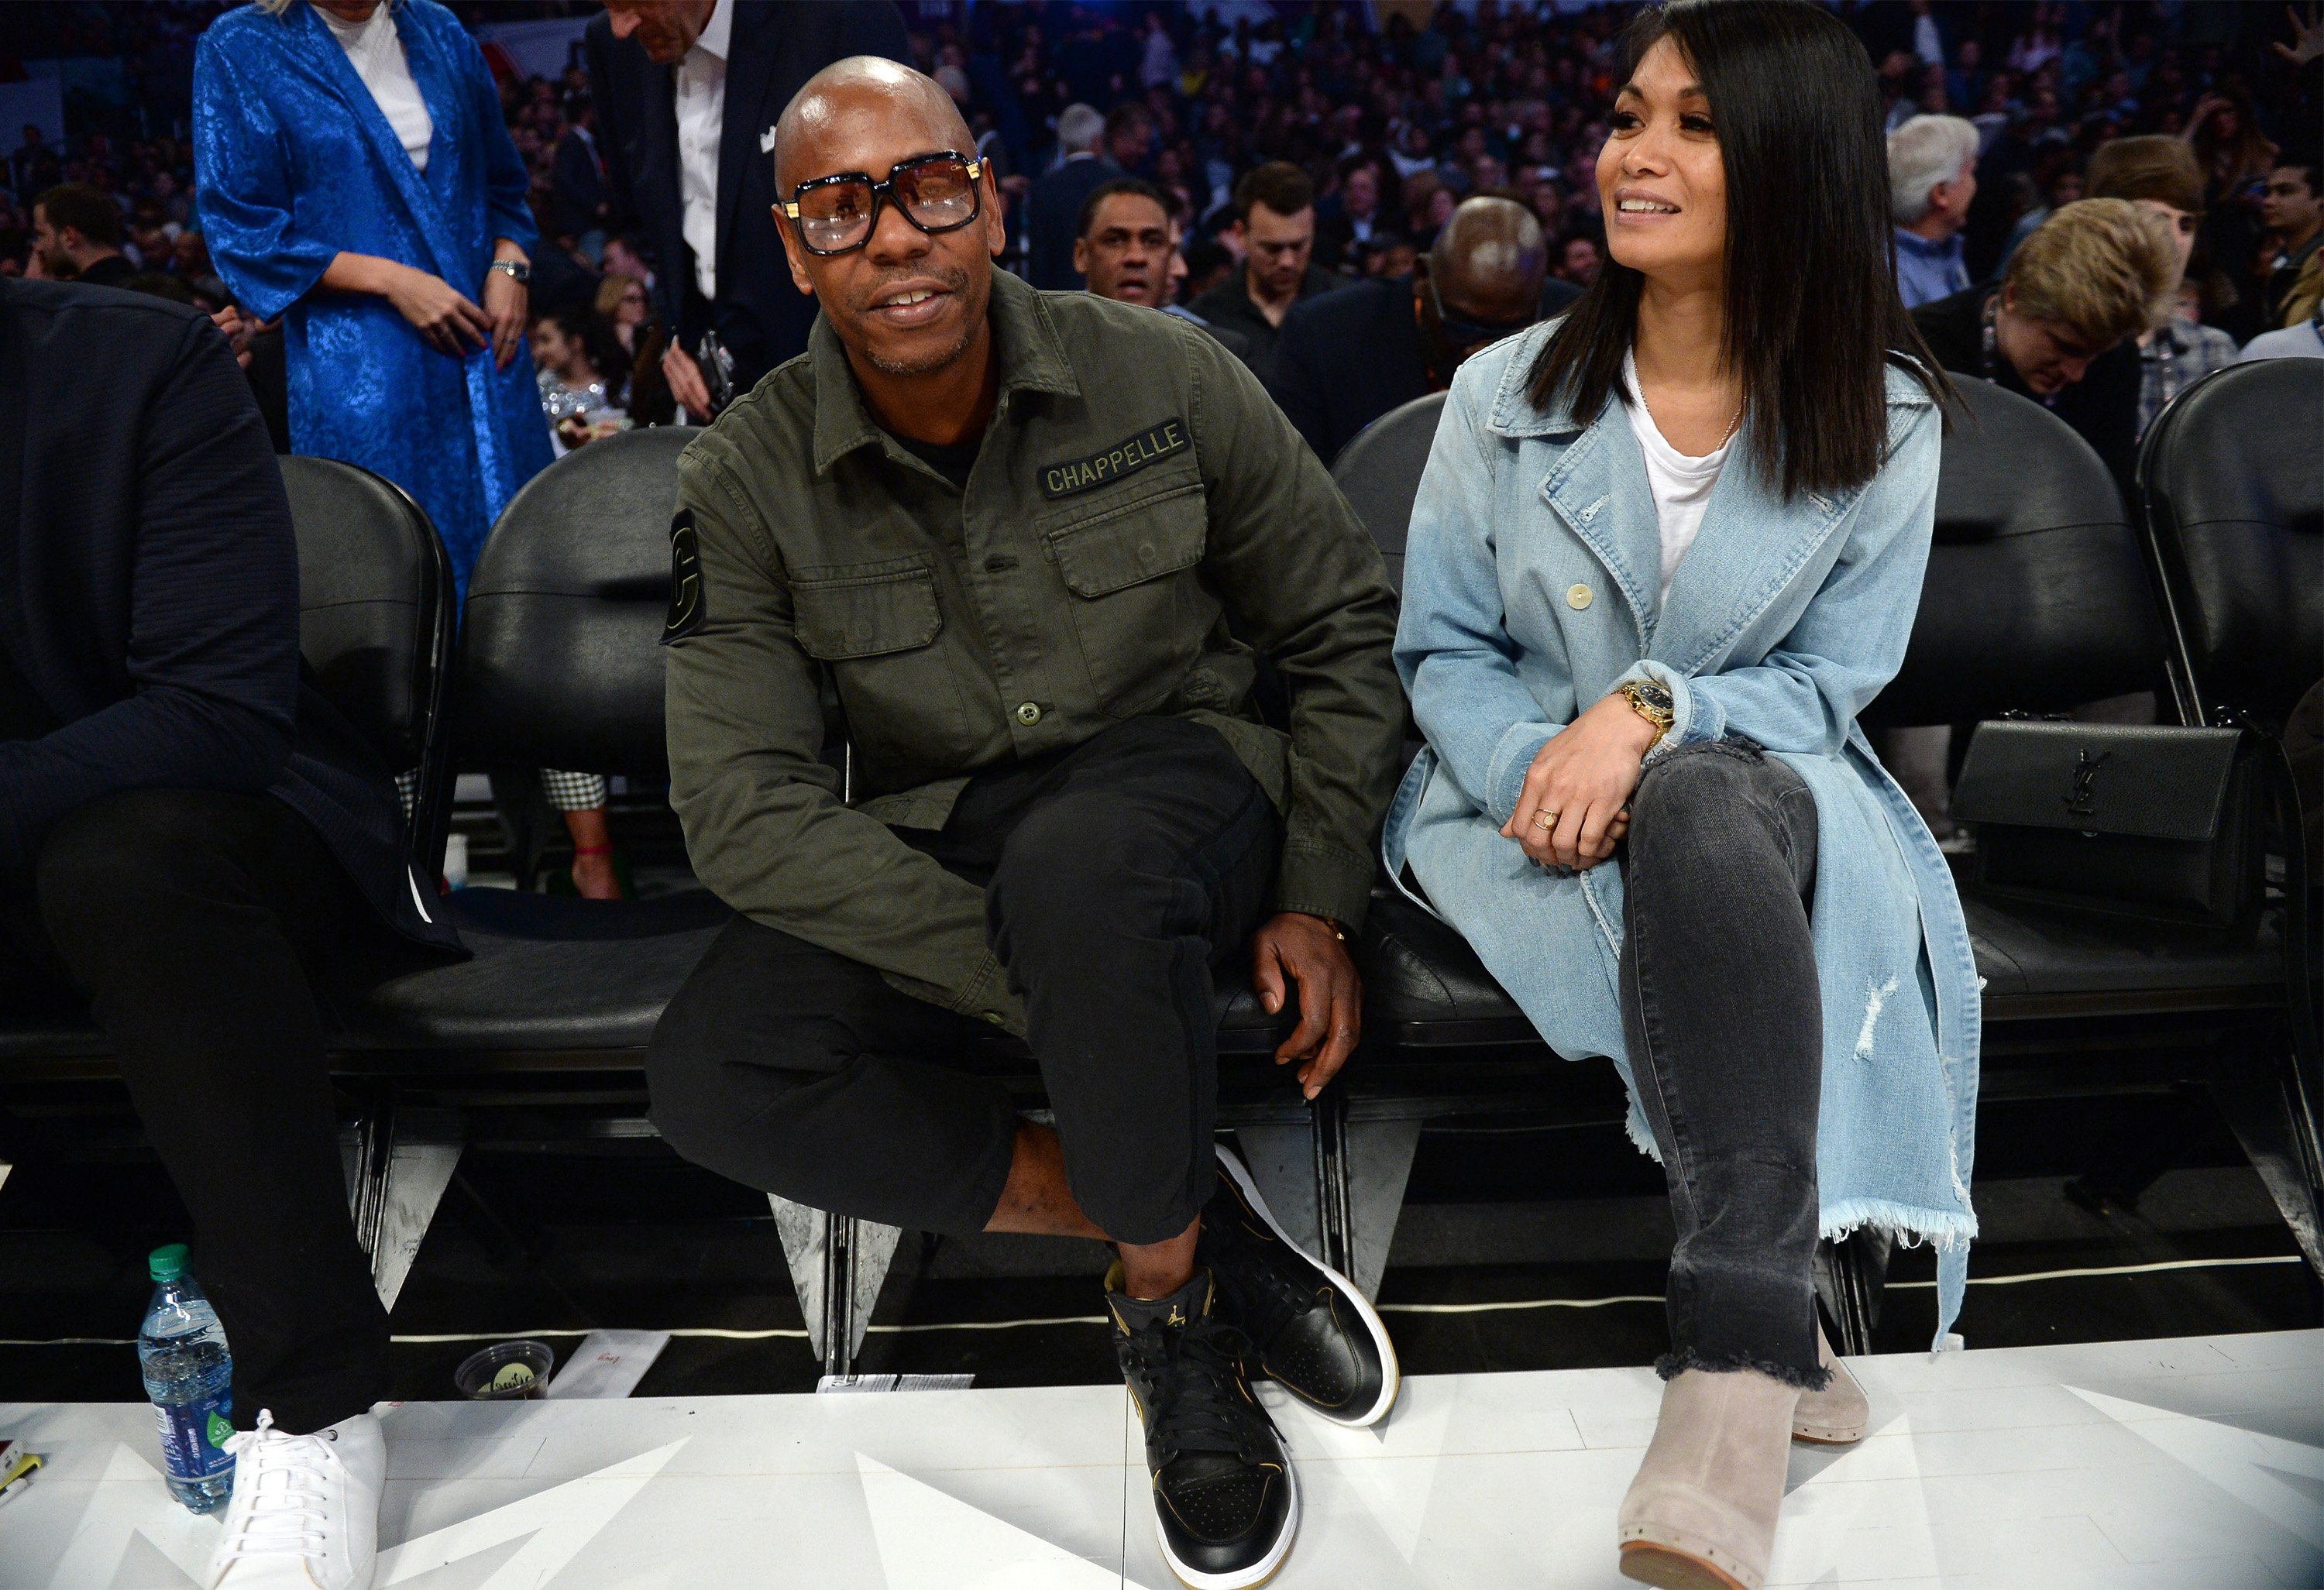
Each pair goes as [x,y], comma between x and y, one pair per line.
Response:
[1682,485]
[376,52]
[701,122]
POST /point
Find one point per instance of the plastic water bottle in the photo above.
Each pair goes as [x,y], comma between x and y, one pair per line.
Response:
[188,1376]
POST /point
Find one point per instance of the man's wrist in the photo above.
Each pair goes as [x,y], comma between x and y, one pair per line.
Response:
[1337,929]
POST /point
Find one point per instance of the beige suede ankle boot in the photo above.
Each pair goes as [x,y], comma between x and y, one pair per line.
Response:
[1701,1513]
[1835,1416]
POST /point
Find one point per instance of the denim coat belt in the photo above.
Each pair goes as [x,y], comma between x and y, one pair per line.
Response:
[1532,581]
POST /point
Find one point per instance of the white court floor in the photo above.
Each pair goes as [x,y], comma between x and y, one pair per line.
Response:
[2187,1465]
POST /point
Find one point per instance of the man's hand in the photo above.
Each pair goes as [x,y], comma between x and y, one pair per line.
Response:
[2307,37]
[1575,805]
[237,331]
[685,382]
[1307,951]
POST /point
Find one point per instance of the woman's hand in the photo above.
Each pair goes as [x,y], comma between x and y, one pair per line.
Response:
[1575,805]
[439,311]
[507,302]
[686,383]
[2201,113]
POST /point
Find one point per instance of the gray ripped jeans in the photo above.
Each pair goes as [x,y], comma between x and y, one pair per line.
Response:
[1724,1023]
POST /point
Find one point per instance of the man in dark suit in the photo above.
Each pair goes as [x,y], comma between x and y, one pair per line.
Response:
[1053,221]
[1275,223]
[76,231]
[1347,357]
[189,834]
[579,209]
[688,92]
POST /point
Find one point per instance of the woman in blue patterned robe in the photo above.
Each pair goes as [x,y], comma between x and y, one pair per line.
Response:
[406,350]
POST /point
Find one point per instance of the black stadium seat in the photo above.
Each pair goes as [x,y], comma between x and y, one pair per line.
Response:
[2035,595]
[374,632]
[1424,987]
[375,621]
[2231,482]
[2037,600]
[560,665]
[1378,472]
[2233,479]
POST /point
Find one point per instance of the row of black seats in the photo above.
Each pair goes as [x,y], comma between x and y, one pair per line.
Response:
[2039,596]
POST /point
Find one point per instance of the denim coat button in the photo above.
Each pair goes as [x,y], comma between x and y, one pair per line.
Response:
[1578,597]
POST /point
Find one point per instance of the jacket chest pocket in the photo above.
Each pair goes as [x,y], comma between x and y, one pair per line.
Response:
[1137,605]
[877,629]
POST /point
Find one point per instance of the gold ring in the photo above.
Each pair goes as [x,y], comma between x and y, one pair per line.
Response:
[1545,820]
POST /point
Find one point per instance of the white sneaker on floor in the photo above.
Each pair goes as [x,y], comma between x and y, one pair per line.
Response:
[305,1512]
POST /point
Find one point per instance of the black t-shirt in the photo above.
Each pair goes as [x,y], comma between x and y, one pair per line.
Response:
[953,461]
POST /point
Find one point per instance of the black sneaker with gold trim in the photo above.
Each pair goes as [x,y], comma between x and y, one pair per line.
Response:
[1315,1335]
[1225,1505]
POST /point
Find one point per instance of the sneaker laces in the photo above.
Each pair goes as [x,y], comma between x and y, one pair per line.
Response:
[290,1483]
[1195,1371]
[1265,1292]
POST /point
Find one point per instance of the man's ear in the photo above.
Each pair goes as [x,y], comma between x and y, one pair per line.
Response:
[996,215]
[793,254]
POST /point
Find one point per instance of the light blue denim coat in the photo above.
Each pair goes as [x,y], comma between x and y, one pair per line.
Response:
[1531,591]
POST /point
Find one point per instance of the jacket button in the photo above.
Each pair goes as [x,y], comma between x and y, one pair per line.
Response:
[1577,597]
[1028,715]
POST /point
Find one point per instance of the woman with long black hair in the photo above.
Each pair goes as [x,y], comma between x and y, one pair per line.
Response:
[1665,549]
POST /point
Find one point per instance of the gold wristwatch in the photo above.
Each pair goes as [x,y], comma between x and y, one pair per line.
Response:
[1651,702]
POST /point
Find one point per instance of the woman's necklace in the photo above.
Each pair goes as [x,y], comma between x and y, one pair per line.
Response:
[1657,423]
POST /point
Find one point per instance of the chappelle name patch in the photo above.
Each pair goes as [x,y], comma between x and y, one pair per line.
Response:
[686,612]
[1147,446]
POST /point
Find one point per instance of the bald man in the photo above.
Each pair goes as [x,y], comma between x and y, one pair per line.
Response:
[1347,358]
[1019,533]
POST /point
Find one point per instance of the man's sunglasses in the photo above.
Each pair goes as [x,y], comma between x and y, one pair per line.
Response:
[1469,334]
[938,192]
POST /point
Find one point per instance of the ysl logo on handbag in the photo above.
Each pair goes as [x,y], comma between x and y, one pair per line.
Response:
[2081,800]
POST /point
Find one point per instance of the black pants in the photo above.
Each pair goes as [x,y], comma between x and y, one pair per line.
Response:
[1724,1022]
[196,923]
[1116,876]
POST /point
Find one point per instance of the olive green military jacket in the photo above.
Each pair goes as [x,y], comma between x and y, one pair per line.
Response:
[1138,511]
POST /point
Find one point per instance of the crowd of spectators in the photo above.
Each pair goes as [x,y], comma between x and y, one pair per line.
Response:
[1390,127]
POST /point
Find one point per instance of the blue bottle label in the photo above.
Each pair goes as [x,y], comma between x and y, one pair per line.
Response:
[193,1437]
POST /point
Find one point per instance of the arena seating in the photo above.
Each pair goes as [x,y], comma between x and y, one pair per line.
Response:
[2232,489]
[2037,600]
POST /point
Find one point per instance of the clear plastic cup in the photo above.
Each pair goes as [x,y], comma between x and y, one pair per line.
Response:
[506,1372]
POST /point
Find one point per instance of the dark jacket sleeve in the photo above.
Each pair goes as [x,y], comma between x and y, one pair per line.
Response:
[214,615]
[614,114]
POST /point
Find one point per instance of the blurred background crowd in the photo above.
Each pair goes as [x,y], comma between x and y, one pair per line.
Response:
[1394,111]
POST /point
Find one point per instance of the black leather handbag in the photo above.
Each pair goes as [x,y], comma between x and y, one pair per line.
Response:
[2163,823]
